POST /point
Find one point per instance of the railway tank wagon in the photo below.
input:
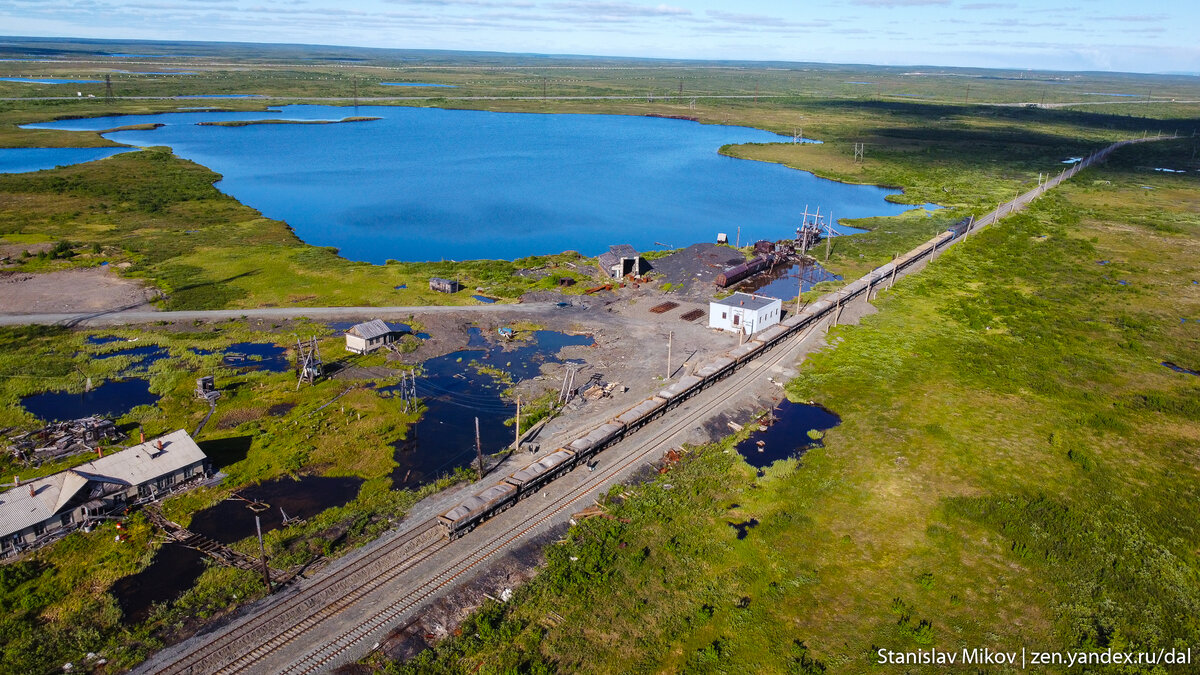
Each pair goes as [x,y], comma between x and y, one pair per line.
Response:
[476,508]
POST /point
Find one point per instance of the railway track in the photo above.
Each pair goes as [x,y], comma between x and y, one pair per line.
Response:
[277,626]
[325,656]
[247,645]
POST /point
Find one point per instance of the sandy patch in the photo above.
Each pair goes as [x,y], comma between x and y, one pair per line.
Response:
[94,289]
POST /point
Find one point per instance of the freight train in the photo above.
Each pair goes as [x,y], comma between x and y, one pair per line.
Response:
[499,497]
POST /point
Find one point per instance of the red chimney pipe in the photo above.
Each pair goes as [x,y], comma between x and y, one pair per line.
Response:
[141,436]
[159,445]
[100,452]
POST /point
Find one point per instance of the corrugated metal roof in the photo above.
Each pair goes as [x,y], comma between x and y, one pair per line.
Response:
[139,464]
[370,329]
[746,301]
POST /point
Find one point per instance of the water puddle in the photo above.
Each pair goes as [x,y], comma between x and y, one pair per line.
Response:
[160,582]
[788,435]
[257,356]
[744,528]
[144,355]
[111,399]
[175,568]
[458,387]
[1180,369]
[102,339]
[484,299]
[786,283]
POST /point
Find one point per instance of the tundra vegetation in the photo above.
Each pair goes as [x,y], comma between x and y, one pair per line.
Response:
[1014,466]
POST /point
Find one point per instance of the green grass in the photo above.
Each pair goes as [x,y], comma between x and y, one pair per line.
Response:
[1013,468]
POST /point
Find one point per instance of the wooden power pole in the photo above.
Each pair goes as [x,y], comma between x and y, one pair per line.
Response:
[478,448]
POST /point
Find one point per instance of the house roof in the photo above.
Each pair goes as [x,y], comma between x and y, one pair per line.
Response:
[747,301]
[370,329]
[623,251]
[139,464]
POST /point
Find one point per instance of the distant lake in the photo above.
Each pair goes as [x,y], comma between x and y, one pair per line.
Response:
[20,160]
[47,80]
[431,184]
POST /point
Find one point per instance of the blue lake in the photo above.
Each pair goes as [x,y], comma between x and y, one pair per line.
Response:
[47,80]
[432,184]
[20,160]
[416,84]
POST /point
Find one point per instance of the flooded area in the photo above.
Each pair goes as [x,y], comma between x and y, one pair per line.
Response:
[787,281]
[111,399]
[788,435]
[461,385]
[175,568]
[257,356]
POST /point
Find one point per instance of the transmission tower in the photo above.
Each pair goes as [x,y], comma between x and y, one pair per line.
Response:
[308,361]
[108,95]
[859,151]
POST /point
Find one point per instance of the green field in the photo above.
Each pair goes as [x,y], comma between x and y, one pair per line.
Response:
[1014,467]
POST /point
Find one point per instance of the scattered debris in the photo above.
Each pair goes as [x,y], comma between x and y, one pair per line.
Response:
[60,439]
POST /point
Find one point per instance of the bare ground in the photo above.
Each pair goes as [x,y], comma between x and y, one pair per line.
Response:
[93,289]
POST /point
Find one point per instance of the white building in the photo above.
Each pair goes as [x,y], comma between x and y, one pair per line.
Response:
[37,511]
[743,312]
[369,336]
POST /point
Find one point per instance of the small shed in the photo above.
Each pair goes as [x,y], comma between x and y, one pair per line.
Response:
[367,337]
[744,312]
[444,285]
[622,260]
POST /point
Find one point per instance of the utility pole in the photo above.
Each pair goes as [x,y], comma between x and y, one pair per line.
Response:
[828,234]
[262,549]
[518,441]
[356,93]
[478,448]
[108,95]
[544,81]
[967,98]
[738,241]
[670,339]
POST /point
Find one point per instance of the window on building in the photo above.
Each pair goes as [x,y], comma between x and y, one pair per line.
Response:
[723,315]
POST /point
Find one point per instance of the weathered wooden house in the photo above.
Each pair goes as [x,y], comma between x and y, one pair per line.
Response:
[41,510]
[369,336]
[444,285]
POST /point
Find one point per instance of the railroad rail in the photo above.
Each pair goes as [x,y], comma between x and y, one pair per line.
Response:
[245,646]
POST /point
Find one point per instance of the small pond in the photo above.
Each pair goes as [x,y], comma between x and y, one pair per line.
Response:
[48,80]
[175,568]
[111,399]
[786,282]
[788,435]
[455,392]
[258,356]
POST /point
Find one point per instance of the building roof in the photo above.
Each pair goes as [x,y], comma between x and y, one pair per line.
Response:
[747,301]
[136,465]
[623,251]
[441,281]
[370,329]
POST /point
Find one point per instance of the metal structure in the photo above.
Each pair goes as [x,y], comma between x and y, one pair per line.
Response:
[810,230]
[308,361]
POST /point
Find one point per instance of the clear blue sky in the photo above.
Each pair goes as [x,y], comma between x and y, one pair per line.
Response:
[1146,36]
